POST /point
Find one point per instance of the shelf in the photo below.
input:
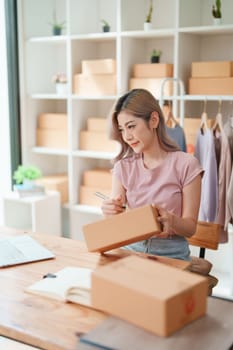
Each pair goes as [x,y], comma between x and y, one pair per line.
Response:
[208,30]
[49,96]
[95,36]
[79,97]
[87,209]
[59,39]
[94,154]
[153,33]
[50,151]
[200,98]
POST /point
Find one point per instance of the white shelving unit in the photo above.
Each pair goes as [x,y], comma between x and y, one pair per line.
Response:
[182,30]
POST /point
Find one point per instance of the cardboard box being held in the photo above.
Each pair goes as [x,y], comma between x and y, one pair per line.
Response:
[151,295]
[118,230]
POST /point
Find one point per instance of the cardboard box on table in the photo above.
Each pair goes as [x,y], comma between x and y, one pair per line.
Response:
[152,70]
[122,229]
[212,69]
[211,86]
[151,295]
[101,66]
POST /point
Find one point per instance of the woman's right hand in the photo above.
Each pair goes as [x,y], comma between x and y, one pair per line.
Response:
[113,206]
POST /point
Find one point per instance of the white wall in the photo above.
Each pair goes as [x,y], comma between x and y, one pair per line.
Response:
[5,166]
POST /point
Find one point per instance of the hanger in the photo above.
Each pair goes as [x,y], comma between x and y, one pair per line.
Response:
[218,124]
[170,120]
[204,119]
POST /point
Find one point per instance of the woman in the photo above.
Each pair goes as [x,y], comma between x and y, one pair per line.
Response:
[151,169]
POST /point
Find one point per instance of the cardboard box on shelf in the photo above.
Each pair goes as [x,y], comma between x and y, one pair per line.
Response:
[212,69]
[122,229]
[56,182]
[101,66]
[97,141]
[151,295]
[52,121]
[87,195]
[95,84]
[97,124]
[98,177]
[152,70]
[211,86]
[153,85]
[54,138]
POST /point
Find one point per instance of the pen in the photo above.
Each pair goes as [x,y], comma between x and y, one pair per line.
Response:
[101,195]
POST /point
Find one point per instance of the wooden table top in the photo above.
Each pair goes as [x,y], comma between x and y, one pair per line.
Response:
[43,322]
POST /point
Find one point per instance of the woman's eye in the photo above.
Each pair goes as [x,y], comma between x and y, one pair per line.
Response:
[131,126]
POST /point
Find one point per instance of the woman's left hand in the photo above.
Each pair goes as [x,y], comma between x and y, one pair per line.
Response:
[166,220]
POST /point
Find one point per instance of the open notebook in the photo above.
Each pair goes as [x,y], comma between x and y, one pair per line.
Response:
[69,284]
[22,249]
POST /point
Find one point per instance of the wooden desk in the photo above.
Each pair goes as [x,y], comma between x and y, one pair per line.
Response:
[41,322]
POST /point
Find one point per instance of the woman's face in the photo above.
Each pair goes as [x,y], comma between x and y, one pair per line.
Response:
[138,134]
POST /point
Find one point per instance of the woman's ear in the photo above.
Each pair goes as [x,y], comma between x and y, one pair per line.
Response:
[154,120]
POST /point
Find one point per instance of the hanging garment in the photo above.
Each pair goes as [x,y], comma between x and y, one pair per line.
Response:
[177,134]
[224,173]
[230,197]
[228,129]
[205,153]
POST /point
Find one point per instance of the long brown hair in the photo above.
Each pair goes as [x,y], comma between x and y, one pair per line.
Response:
[140,103]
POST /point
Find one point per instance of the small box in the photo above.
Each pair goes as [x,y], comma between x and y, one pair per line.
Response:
[212,69]
[101,178]
[153,85]
[159,298]
[97,124]
[211,86]
[102,66]
[56,183]
[118,230]
[87,195]
[152,70]
[95,85]
[97,141]
[54,138]
[52,121]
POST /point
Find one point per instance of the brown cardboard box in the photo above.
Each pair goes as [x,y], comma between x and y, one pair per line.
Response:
[212,69]
[211,86]
[118,230]
[97,141]
[151,295]
[56,183]
[97,124]
[153,85]
[87,195]
[52,121]
[98,177]
[54,138]
[152,70]
[95,85]
[102,66]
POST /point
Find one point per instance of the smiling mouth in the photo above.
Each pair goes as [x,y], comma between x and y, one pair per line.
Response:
[134,144]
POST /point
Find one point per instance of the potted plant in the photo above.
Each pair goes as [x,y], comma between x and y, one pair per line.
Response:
[61,83]
[147,23]
[216,12]
[57,27]
[26,174]
[155,56]
[105,25]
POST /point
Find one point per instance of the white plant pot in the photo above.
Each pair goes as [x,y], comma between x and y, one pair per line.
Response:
[217,21]
[61,88]
[147,25]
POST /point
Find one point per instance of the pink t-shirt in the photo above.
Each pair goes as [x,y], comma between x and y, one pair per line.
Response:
[162,185]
